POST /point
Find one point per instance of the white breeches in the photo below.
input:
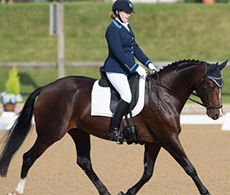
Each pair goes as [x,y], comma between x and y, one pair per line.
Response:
[121,84]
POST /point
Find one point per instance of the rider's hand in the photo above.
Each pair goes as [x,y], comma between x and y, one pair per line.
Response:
[152,67]
[141,71]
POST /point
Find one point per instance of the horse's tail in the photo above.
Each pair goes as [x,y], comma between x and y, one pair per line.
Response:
[18,132]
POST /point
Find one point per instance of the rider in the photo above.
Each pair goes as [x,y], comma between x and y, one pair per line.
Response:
[120,61]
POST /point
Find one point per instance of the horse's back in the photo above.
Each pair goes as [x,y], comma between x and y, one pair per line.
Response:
[65,87]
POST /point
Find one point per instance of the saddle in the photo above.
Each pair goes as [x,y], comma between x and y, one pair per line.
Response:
[130,132]
[133,79]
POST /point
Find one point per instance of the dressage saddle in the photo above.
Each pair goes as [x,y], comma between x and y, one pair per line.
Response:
[133,79]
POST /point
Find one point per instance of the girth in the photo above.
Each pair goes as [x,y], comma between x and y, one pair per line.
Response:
[133,79]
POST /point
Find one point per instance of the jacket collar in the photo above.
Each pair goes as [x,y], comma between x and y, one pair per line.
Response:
[119,25]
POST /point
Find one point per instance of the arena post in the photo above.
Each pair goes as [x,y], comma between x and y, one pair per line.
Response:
[57,28]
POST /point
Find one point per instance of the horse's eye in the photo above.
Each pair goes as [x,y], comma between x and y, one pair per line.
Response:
[210,88]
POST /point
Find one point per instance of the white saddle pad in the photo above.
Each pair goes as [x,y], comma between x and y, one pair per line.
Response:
[100,100]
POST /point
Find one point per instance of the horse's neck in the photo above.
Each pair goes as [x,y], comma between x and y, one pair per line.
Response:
[183,81]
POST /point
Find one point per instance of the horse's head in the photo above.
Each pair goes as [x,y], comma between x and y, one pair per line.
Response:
[209,90]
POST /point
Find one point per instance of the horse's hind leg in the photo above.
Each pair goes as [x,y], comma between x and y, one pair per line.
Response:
[29,158]
[173,146]
[82,142]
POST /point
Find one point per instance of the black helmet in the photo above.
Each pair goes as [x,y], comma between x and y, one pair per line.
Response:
[124,5]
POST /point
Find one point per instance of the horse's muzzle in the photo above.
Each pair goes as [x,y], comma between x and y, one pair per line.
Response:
[214,113]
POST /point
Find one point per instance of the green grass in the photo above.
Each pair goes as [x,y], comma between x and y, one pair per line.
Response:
[165,32]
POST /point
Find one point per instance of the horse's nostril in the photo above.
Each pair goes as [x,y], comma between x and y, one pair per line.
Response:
[216,116]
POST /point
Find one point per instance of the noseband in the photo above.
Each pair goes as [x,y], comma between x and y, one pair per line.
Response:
[207,103]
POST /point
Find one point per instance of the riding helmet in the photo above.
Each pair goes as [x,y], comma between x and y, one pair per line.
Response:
[124,5]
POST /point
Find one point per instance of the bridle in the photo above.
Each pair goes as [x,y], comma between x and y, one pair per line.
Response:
[206,103]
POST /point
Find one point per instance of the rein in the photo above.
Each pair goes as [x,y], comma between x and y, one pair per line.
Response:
[206,99]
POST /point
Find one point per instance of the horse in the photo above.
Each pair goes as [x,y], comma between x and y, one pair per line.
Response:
[64,105]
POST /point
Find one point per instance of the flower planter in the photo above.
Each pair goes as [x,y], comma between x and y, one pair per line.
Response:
[9,107]
[11,95]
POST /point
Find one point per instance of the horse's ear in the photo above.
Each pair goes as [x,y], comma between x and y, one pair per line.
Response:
[222,65]
[213,67]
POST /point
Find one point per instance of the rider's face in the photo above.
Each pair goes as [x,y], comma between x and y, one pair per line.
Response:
[125,16]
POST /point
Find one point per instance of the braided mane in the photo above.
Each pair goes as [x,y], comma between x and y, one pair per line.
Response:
[183,62]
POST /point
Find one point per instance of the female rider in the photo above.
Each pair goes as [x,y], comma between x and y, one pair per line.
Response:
[120,61]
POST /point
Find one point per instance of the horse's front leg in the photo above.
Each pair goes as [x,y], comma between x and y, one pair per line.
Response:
[150,155]
[174,147]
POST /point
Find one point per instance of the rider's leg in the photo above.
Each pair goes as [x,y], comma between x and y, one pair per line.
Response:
[121,84]
[116,122]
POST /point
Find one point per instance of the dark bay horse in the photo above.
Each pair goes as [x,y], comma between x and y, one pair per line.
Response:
[64,107]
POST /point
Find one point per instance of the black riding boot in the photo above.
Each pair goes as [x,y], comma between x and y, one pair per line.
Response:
[116,122]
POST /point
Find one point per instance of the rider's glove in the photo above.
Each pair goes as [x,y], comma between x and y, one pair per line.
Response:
[152,67]
[141,71]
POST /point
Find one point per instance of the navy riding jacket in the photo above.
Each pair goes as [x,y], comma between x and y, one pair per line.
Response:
[122,50]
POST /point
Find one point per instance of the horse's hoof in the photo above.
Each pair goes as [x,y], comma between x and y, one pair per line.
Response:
[14,193]
[120,193]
